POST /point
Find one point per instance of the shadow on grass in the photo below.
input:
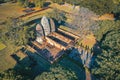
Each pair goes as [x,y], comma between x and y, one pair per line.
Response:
[29,67]
[46,4]
[33,65]
[73,66]
[97,51]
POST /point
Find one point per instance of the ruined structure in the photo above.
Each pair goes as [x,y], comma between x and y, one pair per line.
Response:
[51,43]
[40,33]
[45,25]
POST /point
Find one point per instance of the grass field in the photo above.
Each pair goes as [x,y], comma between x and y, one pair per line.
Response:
[10,10]
[6,61]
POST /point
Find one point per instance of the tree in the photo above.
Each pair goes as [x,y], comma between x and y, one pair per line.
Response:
[57,73]
[16,34]
[105,28]
[57,15]
[22,72]
[99,7]
[83,23]
[21,2]
[108,61]
[26,3]
[1,1]
[39,3]
[10,74]
[107,67]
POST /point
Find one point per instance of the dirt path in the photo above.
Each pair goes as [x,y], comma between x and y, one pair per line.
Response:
[88,74]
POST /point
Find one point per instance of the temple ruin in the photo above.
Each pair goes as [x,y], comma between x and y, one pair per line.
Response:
[51,42]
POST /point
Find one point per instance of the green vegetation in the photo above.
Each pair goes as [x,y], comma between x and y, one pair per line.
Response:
[108,61]
[39,3]
[57,15]
[28,3]
[26,68]
[106,27]
[65,69]
[58,73]
[98,6]
[74,2]
[3,1]
[16,35]
[34,64]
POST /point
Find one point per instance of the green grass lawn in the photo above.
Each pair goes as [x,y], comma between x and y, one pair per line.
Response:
[2,46]
[6,61]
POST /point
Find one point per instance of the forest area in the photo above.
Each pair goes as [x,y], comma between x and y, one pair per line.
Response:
[107,33]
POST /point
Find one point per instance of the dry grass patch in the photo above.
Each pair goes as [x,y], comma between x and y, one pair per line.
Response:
[67,8]
[6,62]
[89,41]
[10,10]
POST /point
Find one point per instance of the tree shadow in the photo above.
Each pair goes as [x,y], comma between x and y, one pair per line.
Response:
[29,67]
[73,63]
[75,58]
[117,16]
[15,57]
[97,51]
[33,65]
[66,24]
[46,4]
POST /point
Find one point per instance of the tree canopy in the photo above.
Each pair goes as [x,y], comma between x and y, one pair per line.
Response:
[108,61]
[57,15]
[98,6]
[57,73]
[28,3]
[16,34]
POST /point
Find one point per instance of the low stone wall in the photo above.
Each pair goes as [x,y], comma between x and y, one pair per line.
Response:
[69,33]
[52,42]
[62,38]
